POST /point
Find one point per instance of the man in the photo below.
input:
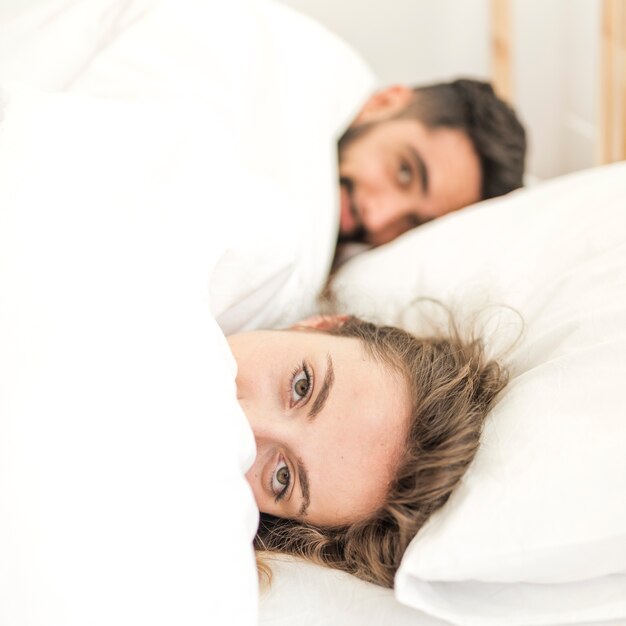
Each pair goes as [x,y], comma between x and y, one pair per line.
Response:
[412,155]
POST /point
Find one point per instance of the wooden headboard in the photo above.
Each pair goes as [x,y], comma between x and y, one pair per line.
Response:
[612,105]
[613,76]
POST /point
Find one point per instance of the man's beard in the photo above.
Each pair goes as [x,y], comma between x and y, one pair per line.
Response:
[353,133]
[358,234]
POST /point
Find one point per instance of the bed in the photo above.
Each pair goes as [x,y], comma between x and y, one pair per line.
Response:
[171,165]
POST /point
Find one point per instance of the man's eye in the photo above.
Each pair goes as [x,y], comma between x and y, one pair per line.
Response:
[281,480]
[300,385]
[405,174]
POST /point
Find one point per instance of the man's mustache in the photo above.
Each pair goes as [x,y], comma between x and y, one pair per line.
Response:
[358,233]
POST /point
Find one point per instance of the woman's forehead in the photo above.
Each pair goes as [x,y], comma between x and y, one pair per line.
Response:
[352,474]
[362,432]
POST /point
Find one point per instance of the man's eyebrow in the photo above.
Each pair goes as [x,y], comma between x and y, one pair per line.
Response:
[420,166]
[303,478]
[322,396]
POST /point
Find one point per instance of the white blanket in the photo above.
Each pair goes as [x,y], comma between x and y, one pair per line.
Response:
[122,445]
[160,160]
[267,89]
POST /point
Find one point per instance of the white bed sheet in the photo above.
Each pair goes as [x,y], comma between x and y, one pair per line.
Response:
[309,595]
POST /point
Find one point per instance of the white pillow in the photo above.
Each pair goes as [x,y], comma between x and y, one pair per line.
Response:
[282,85]
[122,445]
[536,531]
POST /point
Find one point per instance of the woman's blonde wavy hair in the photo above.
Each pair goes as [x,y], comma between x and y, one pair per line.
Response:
[452,385]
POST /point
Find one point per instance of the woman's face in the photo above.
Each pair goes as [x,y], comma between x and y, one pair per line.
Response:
[329,423]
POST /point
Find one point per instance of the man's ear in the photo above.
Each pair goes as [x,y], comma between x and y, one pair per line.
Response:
[385,103]
[322,322]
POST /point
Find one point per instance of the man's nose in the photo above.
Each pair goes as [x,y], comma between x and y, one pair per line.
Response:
[381,208]
[382,215]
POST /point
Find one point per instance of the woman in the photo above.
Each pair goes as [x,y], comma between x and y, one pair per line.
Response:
[362,432]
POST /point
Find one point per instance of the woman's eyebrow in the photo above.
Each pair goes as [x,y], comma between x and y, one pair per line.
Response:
[322,396]
[318,405]
[303,478]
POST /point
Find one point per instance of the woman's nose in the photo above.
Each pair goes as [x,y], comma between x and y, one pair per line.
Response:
[267,423]
[253,413]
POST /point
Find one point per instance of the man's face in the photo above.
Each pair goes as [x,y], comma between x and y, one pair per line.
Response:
[397,173]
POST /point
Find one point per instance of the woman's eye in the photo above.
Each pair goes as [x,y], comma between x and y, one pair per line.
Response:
[405,174]
[300,385]
[281,480]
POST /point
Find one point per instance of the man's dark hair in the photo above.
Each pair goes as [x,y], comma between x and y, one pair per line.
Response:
[491,124]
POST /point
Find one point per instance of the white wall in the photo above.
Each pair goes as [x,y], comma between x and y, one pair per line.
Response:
[555,60]
[410,40]
[556,81]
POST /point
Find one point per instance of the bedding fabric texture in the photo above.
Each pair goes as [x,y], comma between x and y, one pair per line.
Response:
[536,531]
[122,444]
[283,86]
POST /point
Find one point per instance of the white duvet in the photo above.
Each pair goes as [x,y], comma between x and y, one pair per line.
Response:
[167,175]
[255,95]
[122,445]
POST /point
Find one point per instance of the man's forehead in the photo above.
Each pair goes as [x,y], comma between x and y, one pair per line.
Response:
[456,170]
